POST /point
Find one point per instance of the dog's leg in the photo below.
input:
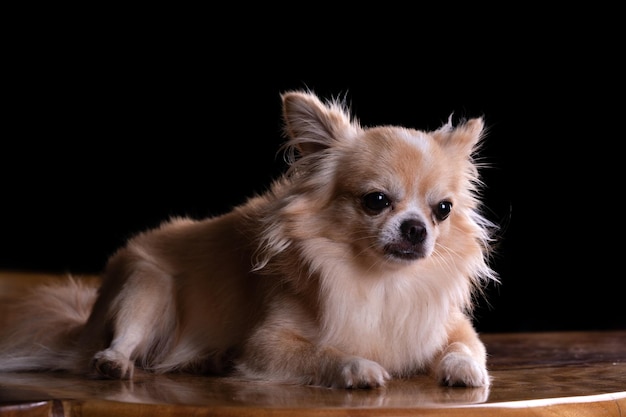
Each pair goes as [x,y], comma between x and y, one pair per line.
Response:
[137,306]
[282,349]
[463,361]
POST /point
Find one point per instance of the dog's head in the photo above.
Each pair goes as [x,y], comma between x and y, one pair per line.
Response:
[384,196]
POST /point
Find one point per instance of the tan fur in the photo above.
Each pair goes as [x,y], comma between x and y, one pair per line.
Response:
[346,273]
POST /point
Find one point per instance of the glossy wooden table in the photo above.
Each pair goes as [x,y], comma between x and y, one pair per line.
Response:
[536,374]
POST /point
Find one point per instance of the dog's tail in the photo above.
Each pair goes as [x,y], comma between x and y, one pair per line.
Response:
[39,330]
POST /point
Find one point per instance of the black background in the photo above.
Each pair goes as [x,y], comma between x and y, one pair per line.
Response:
[110,129]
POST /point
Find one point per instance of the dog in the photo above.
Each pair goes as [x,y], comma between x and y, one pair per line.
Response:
[360,263]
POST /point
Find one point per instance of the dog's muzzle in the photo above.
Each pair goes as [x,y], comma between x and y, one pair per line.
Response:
[410,243]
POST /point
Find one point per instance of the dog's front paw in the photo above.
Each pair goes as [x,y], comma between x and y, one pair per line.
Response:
[461,369]
[357,372]
[112,364]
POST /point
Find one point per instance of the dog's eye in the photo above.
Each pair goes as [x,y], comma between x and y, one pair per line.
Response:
[443,209]
[376,202]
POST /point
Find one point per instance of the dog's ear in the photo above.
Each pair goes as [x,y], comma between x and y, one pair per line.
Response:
[464,138]
[312,126]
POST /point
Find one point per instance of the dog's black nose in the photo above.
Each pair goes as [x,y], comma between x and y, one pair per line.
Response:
[413,231]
